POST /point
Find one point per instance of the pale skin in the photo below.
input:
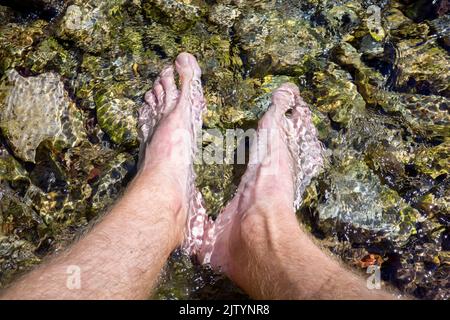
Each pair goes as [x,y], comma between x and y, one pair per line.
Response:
[263,249]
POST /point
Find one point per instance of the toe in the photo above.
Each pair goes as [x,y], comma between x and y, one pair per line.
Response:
[170,89]
[187,68]
[158,92]
[150,98]
[291,87]
[284,98]
[301,115]
[191,85]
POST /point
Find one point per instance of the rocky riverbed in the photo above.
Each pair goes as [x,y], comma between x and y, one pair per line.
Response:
[375,73]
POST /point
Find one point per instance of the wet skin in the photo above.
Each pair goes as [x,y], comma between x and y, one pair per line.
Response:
[256,240]
[257,233]
[122,256]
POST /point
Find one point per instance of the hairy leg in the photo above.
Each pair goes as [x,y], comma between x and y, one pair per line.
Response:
[257,240]
[121,257]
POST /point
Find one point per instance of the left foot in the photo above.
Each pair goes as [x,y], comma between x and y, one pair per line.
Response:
[283,159]
[169,122]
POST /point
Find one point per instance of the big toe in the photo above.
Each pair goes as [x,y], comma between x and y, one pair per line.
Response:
[191,85]
[285,97]
[187,68]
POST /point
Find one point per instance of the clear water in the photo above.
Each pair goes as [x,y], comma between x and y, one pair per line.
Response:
[375,74]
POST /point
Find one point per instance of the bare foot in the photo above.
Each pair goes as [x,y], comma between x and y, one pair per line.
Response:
[169,122]
[282,163]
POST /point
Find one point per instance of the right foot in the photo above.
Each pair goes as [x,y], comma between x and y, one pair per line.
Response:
[274,182]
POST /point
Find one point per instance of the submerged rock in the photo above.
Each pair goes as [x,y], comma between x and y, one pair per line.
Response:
[162,39]
[343,19]
[263,97]
[179,14]
[434,161]
[114,88]
[395,19]
[10,169]
[15,256]
[420,10]
[215,182]
[425,115]
[50,55]
[16,218]
[20,228]
[91,24]
[423,67]
[436,202]
[111,182]
[276,44]
[224,15]
[335,94]
[38,109]
[17,39]
[440,28]
[117,116]
[369,81]
[93,178]
[381,109]
[356,197]
[422,63]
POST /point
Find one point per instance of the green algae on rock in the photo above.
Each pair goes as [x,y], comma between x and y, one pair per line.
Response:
[91,23]
[50,55]
[425,115]
[424,67]
[95,177]
[179,14]
[15,40]
[343,19]
[36,109]
[106,86]
[10,168]
[15,256]
[215,170]
[434,161]
[101,76]
[19,233]
[436,202]
[111,182]
[368,80]
[372,207]
[381,108]
[440,28]
[117,116]
[274,44]
[262,101]
[16,218]
[373,22]
[162,38]
[224,15]
[336,95]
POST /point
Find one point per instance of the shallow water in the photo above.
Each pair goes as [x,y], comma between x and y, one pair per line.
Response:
[375,74]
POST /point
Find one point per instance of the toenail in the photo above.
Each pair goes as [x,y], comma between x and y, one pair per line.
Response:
[183,58]
[167,70]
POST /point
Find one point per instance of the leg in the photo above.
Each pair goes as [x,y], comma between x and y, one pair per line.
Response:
[121,257]
[257,240]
